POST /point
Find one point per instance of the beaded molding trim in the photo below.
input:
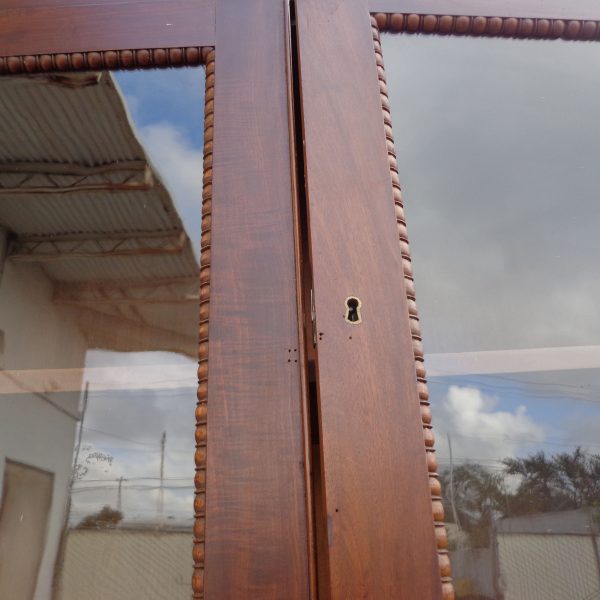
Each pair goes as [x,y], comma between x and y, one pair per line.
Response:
[109,59]
[489,26]
[146,59]
[434,483]
[202,393]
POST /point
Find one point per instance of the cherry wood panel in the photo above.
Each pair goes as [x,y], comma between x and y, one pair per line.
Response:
[256,525]
[109,59]
[415,327]
[375,479]
[507,27]
[541,9]
[147,24]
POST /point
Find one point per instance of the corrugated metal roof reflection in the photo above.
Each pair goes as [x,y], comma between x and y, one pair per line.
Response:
[65,118]
[72,168]
[130,269]
[95,212]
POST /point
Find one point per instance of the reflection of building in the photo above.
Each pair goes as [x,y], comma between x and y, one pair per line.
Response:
[550,556]
[94,255]
[546,556]
[137,562]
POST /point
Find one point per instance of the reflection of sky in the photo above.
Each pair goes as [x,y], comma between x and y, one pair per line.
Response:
[172,96]
[122,428]
[498,153]
[521,413]
[122,438]
[167,108]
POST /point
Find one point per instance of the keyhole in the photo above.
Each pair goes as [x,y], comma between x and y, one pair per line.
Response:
[352,305]
[352,314]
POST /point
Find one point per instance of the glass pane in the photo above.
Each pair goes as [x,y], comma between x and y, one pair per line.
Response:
[498,151]
[100,213]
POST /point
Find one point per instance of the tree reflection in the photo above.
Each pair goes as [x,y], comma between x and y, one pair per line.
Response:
[538,483]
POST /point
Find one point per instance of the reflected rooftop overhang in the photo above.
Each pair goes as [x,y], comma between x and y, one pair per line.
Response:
[80,198]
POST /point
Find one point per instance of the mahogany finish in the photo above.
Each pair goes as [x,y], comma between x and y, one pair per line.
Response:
[435,490]
[256,538]
[201,435]
[381,541]
[377,506]
[510,27]
[55,28]
[110,59]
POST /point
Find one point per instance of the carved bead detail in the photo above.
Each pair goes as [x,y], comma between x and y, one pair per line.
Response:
[204,309]
[198,552]
[199,503]
[109,59]
[200,479]
[187,56]
[428,436]
[431,461]
[438,510]
[200,457]
[414,23]
[423,391]
[425,414]
[486,26]
[420,369]
[203,327]
[441,536]
[444,562]
[201,408]
[203,370]
[198,583]
[448,590]
[434,485]
[200,433]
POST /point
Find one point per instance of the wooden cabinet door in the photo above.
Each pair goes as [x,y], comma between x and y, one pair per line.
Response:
[315,471]
[256,510]
[251,534]
[376,498]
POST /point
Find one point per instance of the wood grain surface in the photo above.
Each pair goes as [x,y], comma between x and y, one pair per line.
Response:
[437,507]
[478,26]
[256,538]
[51,27]
[381,541]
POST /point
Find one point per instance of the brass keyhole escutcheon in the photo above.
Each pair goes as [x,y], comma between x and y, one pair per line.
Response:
[352,313]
